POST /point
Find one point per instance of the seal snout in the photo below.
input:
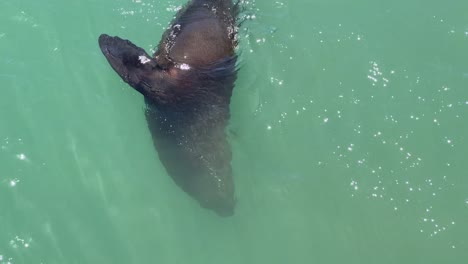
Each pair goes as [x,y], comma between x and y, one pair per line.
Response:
[105,42]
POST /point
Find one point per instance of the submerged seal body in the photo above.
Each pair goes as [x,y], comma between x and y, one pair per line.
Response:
[187,86]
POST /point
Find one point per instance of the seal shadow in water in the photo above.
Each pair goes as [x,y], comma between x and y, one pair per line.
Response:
[187,86]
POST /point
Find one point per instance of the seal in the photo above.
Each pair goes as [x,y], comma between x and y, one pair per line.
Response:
[187,86]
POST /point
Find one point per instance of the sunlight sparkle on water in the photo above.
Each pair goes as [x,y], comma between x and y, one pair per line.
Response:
[13,182]
[354,184]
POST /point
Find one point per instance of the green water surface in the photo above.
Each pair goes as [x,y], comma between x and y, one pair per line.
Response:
[349,132]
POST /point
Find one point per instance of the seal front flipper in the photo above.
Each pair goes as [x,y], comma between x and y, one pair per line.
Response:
[132,63]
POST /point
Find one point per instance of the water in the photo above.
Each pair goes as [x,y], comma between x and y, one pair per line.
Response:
[348,132]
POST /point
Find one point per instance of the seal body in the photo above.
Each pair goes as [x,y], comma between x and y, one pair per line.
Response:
[187,86]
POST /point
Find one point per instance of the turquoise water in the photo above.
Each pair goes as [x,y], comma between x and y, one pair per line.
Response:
[348,129]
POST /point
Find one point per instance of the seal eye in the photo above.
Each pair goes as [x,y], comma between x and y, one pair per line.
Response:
[159,67]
